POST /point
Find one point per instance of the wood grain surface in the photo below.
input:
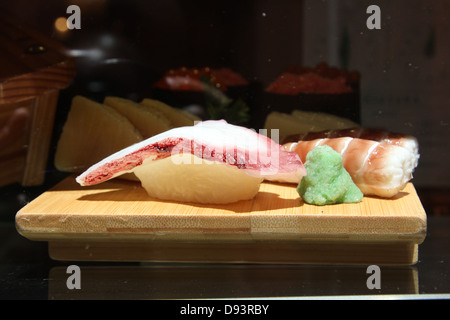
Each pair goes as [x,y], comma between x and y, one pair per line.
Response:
[122,210]
[32,63]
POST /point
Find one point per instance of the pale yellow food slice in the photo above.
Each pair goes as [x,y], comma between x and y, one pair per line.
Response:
[148,121]
[176,116]
[186,178]
[287,124]
[92,132]
[325,120]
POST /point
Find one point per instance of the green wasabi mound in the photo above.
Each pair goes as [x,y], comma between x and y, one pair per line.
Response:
[327,181]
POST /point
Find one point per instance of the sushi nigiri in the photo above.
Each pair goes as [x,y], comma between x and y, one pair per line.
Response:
[383,136]
[210,162]
[380,168]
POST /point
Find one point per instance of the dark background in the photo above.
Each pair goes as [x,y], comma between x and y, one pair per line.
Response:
[123,47]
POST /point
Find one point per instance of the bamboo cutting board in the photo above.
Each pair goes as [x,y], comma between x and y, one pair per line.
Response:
[117,221]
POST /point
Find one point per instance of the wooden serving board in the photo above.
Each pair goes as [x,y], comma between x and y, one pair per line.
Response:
[117,221]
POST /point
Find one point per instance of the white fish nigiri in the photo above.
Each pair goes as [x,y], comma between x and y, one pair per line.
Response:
[210,162]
